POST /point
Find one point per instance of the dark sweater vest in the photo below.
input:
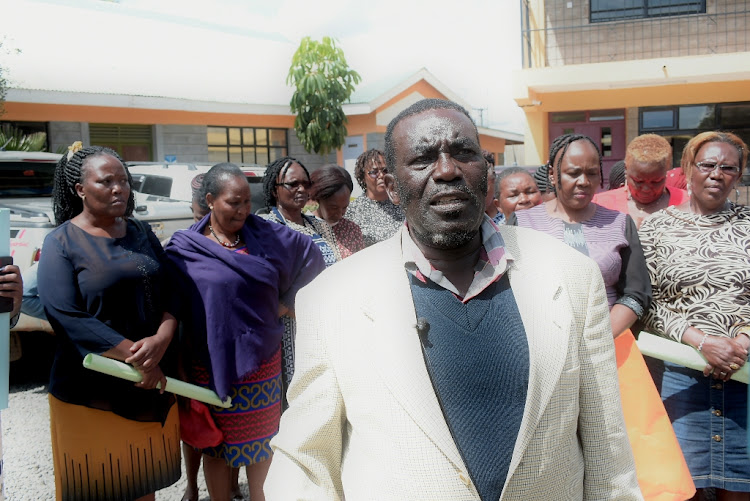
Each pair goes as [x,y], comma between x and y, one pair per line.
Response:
[478,359]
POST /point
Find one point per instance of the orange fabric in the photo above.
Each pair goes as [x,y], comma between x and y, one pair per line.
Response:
[99,455]
[662,472]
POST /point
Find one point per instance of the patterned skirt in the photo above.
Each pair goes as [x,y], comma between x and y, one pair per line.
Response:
[100,455]
[253,419]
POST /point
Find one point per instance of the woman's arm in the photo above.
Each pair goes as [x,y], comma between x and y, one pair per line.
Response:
[634,285]
[58,291]
[307,265]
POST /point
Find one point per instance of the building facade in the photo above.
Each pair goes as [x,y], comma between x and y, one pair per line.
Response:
[142,128]
[613,70]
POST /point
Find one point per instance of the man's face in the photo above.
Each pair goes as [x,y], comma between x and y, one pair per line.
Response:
[440,179]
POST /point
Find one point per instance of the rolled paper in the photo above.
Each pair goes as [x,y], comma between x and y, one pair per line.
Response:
[681,354]
[122,370]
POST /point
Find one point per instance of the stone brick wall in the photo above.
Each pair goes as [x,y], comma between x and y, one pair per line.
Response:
[63,134]
[188,142]
[376,140]
[311,161]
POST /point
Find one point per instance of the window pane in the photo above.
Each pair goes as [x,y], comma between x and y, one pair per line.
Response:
[275,154]
[248,155]
[606,141]
[157,185]
[217,135]
[697,117]
[607,10]
[247,136]
[570,116]
[278,137]
[735,116]
[658,119]
[217,154]
[235,153]
[234,135]
[261,136]
[262,155]
[597,115]
[675,7]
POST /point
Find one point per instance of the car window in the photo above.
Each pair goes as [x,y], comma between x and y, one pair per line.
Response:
[26,179]
[256,192]
[154,185]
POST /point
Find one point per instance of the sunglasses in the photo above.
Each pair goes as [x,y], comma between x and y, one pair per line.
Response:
[374,173]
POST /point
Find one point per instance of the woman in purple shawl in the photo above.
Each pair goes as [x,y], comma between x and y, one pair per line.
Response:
[237,274]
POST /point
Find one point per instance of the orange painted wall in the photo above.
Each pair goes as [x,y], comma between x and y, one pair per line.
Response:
[422,87]
[667,95]
[104,114]
[362,124]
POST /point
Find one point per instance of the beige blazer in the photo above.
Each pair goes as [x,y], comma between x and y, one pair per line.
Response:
[364,422]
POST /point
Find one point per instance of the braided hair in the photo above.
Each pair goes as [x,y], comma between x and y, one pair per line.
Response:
[69,172]
[560,145]
[275,170]
[365,159]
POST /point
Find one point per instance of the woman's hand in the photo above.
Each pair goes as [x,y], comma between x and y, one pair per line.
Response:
[147,352]
[724,355]
[151,378]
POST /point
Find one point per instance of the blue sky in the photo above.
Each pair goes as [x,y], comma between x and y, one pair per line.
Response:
[233,46]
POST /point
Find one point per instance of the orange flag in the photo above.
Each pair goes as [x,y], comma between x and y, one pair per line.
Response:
[662,472]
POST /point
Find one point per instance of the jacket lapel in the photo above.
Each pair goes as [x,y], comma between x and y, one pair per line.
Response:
[397,351]
[547,319]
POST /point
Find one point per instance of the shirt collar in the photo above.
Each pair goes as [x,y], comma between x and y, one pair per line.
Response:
[494,260]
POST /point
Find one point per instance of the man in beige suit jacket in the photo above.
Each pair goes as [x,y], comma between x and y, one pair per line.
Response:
[369,417]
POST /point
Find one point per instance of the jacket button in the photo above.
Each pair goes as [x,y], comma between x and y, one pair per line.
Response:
[717,412]
[716,386]
[717,438]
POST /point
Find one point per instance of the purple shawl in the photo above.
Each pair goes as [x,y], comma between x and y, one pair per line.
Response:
[230,301]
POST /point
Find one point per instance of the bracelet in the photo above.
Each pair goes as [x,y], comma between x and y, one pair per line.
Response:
[700,346]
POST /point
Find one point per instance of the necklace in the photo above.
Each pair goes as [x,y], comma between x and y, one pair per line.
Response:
[225,244]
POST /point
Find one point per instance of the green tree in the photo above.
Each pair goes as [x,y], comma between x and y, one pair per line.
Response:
[323,82]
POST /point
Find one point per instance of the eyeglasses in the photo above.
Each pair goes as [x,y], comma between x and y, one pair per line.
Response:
[374,173]
[709,167]
[295,185]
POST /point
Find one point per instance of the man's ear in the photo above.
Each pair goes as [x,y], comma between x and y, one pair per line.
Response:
[390,188]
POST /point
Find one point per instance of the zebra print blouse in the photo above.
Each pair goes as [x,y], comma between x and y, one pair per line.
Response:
[699,268]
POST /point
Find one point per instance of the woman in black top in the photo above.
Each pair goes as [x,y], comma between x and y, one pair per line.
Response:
[101,280]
